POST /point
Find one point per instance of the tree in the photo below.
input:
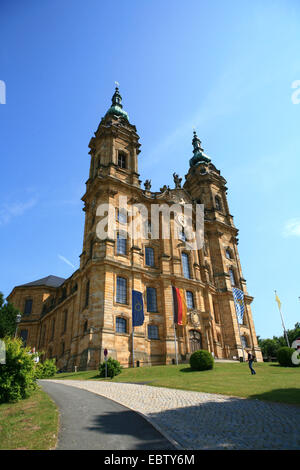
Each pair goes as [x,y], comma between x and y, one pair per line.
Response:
[270,347]
[8,315]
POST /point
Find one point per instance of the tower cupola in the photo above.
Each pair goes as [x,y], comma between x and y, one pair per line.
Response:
[116,108]
[199,155]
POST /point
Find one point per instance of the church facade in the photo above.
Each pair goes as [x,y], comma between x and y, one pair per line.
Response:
[75,319]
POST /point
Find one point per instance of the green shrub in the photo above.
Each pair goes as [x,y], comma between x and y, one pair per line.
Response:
[46,369]
[284,356]
[201,360]
[113,368]
[17,375]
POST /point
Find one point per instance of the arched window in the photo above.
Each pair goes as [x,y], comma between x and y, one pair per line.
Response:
[121,296]
[85,326]
[153,332]
[149,254]
[185,265]
[121,325]
[190,299]
[151,299]
[218,203]
[228,253]
[122,160]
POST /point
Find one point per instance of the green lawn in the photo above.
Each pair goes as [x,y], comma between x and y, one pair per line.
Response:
[271,382]
[30,424]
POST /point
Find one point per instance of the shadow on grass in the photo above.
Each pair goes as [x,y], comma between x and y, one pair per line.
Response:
[280,395]
[188,369]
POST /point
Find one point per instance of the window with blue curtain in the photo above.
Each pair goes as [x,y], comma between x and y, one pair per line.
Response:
[153,332]
[121,297]
[151,299]
[121,245]
[149,256]
[185,265]
[189,299]
[120,325]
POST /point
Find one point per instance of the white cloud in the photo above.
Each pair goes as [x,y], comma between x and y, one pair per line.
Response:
[15,209]
[66,261]
[292,228]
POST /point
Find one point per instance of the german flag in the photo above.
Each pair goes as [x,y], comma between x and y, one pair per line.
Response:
[180,308]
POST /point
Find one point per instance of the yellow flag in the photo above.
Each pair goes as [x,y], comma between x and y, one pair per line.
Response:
[277,300]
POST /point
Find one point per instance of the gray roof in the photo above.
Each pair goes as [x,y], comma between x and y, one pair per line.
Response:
[49,281]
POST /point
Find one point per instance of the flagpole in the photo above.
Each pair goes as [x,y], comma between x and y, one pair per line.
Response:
[285,333]
[132,346]
[237,317]
[175,338]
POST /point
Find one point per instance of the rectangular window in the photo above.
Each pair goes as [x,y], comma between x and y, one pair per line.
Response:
[122,216]
[28,307]
[153,332]
[121,296]
[122,160]
[121,245]
[24,336]
[232,277]
[186,266]
[189,299]
[149,256]
[151,300]
[120,325]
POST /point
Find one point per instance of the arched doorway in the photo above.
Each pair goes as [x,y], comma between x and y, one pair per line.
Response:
[195,340]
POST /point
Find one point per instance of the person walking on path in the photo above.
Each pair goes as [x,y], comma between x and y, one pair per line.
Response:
[250,360]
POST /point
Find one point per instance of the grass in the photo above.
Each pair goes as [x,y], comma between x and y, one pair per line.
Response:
[271,382]
[30,424]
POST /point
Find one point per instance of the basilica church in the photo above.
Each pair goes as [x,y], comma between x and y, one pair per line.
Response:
[74,320]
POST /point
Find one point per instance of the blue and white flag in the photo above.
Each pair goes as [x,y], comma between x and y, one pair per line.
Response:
[238,297]
[137,308]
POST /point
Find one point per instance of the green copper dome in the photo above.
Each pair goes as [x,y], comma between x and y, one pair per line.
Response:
[116,108]
[199,155]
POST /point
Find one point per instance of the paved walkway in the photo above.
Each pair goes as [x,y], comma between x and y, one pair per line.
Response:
[197,420]
[92,422]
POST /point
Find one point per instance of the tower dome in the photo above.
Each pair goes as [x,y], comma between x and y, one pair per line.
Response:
[116,108]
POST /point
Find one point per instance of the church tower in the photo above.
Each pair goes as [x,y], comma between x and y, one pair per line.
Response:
[221,268]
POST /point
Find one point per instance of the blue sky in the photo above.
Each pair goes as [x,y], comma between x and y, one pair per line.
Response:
[225,68]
